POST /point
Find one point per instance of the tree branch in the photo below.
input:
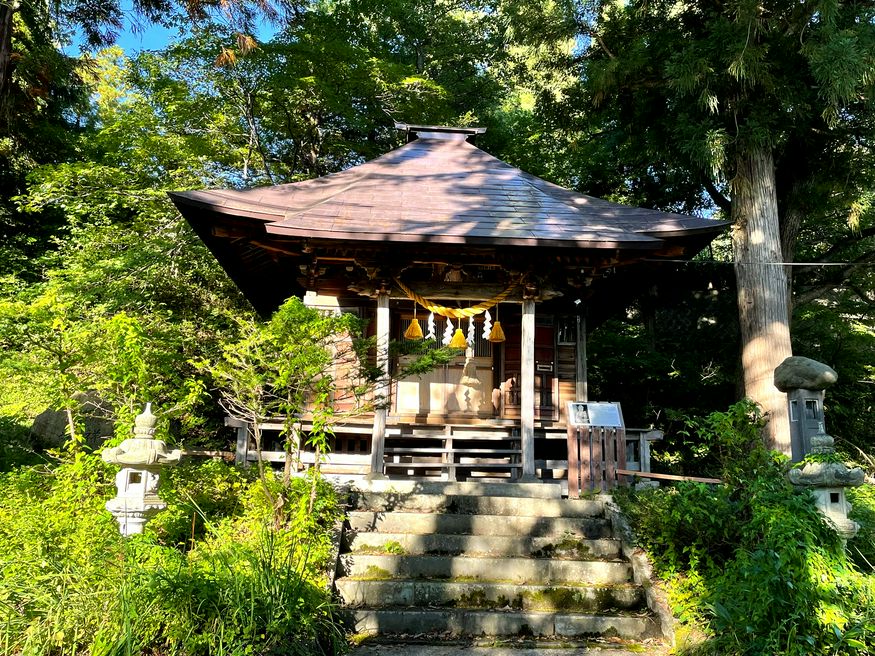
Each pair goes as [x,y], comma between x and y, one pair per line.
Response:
[719,199]
[844,243]
[838,278]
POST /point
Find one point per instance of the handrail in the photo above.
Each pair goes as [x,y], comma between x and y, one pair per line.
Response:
[667,477]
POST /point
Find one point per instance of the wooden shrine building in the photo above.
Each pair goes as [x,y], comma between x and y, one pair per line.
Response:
[443,226]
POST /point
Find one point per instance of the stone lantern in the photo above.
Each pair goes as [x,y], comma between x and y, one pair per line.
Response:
[140,458]
[804,381]
[827,481]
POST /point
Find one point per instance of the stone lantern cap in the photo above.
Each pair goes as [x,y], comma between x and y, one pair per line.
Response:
[797,372]
[142,450]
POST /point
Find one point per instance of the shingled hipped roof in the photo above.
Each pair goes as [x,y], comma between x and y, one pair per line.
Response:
[441,189]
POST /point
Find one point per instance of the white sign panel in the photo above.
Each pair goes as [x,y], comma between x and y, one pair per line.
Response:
[594,414]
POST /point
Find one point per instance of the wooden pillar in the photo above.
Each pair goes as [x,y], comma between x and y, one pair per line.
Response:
[378,437]
[527,389]
[582,385]
[241,455]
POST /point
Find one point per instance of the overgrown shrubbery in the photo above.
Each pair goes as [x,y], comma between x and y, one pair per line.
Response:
[212,574]
[862,547]
[751,562]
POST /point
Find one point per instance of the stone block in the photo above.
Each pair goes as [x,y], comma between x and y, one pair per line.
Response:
[797,372]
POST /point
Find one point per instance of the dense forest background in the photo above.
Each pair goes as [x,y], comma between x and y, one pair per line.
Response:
[109,300]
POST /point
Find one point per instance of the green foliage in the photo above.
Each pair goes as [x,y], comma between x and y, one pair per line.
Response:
[195,494]
[290,364]
[15,444]
[840,335]
[862,547]
[751,560]
[731,440]
[129,294]
[675,342]
[425,356]
[71,583]
[662,100]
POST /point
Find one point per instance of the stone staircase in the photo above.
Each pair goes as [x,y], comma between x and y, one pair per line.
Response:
[486,559]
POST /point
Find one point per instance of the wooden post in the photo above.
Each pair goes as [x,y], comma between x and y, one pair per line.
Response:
[448,455]
[574,450]
[612,446]
[597,456]
[527,389]
[378,437]
[581,388]
[621,455]
[241,455]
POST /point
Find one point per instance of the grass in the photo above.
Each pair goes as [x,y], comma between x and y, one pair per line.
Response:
[71,585]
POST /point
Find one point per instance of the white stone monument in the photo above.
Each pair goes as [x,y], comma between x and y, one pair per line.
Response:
[140,458]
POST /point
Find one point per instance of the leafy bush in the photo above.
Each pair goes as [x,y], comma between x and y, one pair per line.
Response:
[15,444]
[714,445]
[751,560]
[71,584]
[862,547]
[193,493]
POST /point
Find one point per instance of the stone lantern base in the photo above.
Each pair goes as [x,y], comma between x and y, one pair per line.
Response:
[137,501]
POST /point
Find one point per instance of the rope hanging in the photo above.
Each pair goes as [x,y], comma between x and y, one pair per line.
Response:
[456,313]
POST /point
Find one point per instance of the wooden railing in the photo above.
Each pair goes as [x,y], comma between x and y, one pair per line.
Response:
[597,459]
[667,477]
[595,455]
[454,452]
[335,463]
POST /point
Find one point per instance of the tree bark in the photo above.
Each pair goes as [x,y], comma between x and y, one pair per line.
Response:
[71,430]
[791,216]
[7,11]
[762,289]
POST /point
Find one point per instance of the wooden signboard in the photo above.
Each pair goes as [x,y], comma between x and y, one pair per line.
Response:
[596,446]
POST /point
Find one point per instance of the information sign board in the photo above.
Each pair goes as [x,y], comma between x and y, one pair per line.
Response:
[595,414]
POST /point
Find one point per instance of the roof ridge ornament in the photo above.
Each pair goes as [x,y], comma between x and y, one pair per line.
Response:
[437,131]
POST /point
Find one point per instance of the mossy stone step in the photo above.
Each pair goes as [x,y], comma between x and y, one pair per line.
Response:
[537,490]
[478,505]
[562,546]
[468,622]
[484,595]
[505,570]
[508,647]
[417,523]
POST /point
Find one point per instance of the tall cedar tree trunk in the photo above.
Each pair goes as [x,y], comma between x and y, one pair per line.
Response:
[7,11]
[762,289]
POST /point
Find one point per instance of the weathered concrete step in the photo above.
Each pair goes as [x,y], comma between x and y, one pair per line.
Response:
[464,621]
[510,570]
[561,647]
[539,490]
[427,593]
[425,523]
[479,505]
[564,546]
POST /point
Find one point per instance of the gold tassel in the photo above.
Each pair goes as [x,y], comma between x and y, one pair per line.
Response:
[414,330]
[458,341]
[497,334]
